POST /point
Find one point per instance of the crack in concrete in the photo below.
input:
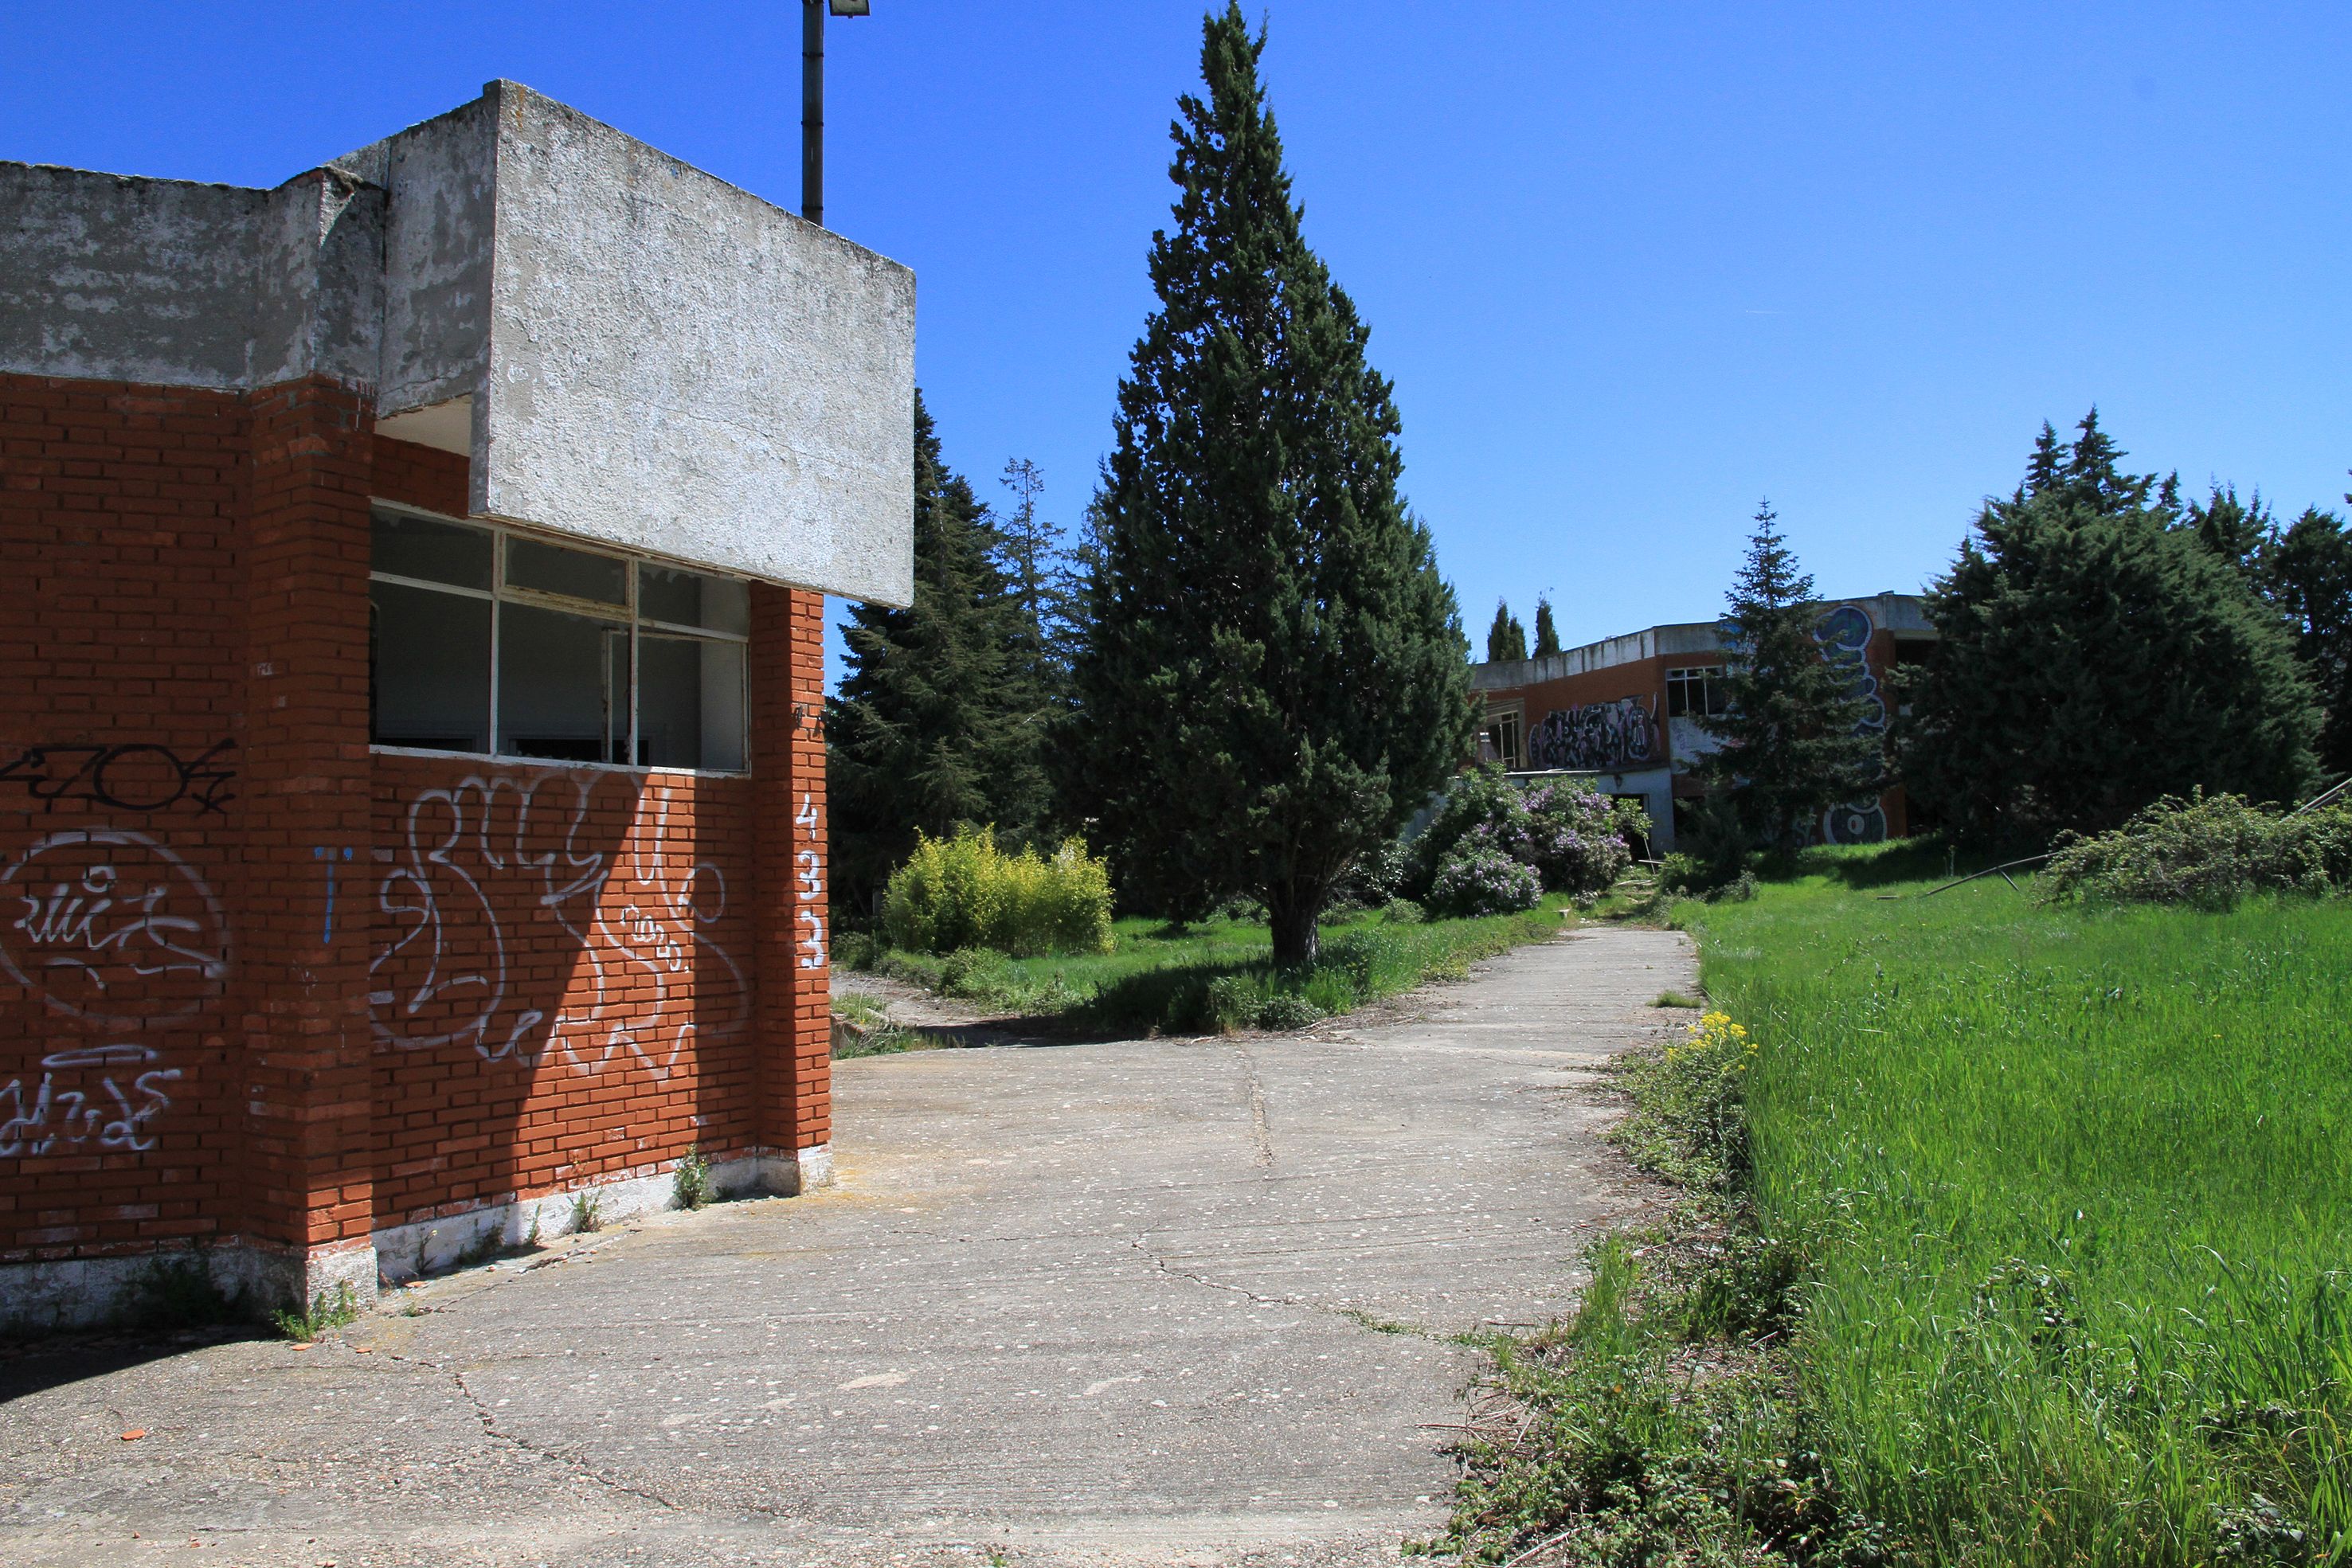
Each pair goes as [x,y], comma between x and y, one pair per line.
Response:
[1361,1319]
[1261,1135]
[487,1420]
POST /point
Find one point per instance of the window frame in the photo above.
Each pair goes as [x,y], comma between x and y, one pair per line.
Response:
[501,591]
[1508,719]
[1706,679]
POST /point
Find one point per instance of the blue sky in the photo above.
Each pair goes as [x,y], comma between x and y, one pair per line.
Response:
[1630,266]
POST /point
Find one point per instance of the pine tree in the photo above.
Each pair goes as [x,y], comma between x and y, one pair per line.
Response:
[1506,640]
[1031,548]
[1274,678]
[1547,634]
[936,723]
[2093,653]
[1794,742]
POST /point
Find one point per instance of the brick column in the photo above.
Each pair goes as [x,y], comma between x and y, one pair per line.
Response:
[794,924]
[300,970]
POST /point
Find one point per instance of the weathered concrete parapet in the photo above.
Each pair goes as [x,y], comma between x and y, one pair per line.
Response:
[627,349]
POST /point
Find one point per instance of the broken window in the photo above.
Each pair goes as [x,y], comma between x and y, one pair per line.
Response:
[482,640]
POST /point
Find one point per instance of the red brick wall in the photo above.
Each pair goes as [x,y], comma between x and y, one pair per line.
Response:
[563,975]
[300,982]
[121,633]
[521,979]
[795,933]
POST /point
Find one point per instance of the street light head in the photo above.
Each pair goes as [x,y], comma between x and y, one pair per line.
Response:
[853,7]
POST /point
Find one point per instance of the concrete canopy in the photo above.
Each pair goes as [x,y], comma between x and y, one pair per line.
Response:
[637,352]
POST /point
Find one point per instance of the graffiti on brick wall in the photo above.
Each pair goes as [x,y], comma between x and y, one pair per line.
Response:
[127,777]
[80,1101]
[1610,735]
[1843,631]
[495,877]
[111,927]
[809,864]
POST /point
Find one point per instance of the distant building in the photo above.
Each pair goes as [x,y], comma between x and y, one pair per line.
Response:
[1629,713]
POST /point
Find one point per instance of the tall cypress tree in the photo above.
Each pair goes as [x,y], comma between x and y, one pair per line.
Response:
[1276,677]
[1547,634]
[936,723]
[1794,744]
[1506,640]
[2095,651]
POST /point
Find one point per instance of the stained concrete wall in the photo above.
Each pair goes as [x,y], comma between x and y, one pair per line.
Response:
[672,358]
[653,358]
[109,278]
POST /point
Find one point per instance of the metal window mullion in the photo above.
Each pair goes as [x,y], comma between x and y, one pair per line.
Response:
[678,629]
[429,585]
[497,630]
[636,696]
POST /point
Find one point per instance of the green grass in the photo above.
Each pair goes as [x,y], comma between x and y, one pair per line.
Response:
[2082,1182]
[1220,973]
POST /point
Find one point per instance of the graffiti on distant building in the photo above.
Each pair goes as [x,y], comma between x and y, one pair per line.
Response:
[1843,631]
[1599,736]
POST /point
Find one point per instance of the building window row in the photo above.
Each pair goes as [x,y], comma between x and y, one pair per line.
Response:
[1696,692]
[488,640]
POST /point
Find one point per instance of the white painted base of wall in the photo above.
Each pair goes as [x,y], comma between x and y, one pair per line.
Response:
[87,1292]
[257,1276]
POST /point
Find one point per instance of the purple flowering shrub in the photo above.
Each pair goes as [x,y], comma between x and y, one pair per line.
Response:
[1478,878]
[1575,836]
[1570,837]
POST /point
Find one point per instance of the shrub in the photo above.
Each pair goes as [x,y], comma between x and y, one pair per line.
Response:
[1263,1001]
[1283,1011]
[1479,879]
[2208,850]
[964,892]
[1573,837]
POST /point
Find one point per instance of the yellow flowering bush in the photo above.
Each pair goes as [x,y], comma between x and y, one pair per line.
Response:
[964,892]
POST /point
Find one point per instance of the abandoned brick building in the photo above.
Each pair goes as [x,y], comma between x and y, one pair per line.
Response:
[411,598]
[1629,713]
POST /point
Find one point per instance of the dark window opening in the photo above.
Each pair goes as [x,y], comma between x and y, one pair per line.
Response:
[541,657]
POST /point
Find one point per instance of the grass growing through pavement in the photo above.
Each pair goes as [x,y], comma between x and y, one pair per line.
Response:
[1220,973]
[2035,1227]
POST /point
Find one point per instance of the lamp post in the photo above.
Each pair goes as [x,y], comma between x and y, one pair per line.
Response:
[812,14]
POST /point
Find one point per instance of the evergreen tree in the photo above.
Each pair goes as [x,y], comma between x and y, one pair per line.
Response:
[1794,743]
[2096,653]
[1274,677]
[1031,549]
[937,721]
[2233,530]
[1547,634]
[1506,640]
[2305,573]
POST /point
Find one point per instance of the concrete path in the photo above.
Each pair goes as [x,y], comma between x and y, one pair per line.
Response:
[1142,1302]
